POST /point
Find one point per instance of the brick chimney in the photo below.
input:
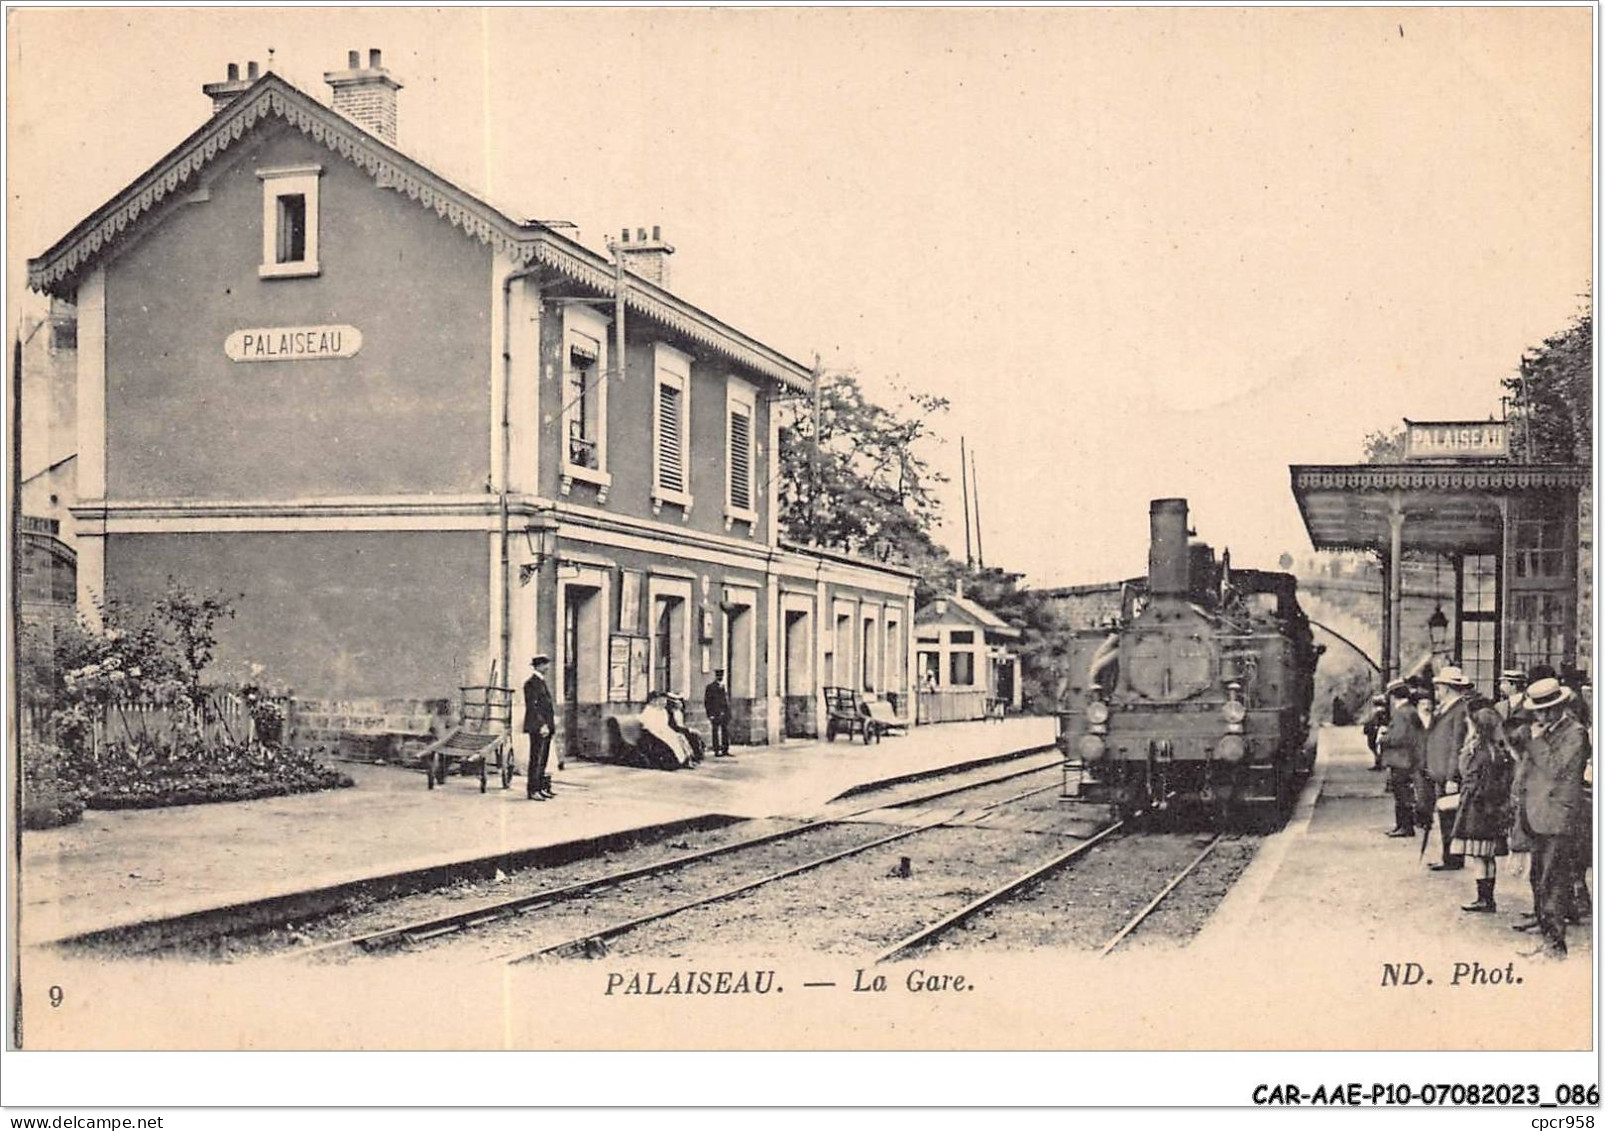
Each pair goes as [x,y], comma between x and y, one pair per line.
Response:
[366,95]
[647,256]
[225,92]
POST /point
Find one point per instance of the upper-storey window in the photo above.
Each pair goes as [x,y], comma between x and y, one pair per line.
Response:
[740,462]
[671,428]
[585,384]
[289,221]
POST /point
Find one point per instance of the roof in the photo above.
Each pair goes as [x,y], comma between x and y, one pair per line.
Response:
[844,558]
[943,610]
[63,461]
[524,242]
[1447,507]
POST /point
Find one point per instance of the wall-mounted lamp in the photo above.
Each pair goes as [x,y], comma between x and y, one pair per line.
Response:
[1438,630]
[541,544]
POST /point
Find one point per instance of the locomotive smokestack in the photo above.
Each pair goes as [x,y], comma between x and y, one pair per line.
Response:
[1167,547]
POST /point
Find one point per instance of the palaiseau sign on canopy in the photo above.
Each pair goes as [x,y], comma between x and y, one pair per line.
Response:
[293,343]
[1456,439]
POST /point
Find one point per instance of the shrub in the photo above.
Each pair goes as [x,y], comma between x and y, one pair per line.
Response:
[50,796]
[148,774]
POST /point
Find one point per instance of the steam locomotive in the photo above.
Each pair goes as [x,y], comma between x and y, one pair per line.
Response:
[1197,693]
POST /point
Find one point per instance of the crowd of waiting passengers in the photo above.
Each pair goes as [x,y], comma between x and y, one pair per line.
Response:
[1494,778]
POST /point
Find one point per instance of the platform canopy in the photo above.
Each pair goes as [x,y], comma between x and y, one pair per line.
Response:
[1447,509]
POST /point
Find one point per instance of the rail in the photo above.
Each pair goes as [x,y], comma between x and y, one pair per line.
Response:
[496,910]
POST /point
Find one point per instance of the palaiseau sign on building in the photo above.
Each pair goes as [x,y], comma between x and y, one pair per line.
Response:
[1456,439]
[293,343]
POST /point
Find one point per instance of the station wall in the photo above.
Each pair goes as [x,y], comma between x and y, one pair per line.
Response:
[409,413]
[333,615]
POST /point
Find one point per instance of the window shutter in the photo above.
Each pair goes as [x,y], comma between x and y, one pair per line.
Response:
[671,447]
[741,460]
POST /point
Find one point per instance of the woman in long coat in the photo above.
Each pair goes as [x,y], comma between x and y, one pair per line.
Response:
[1483,818]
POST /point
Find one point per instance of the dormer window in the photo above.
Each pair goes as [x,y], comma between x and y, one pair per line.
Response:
[289,221]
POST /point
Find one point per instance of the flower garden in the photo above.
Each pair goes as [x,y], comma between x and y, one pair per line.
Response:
[123,719]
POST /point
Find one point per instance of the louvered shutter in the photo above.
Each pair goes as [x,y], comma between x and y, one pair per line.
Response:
[740,460]
[671,439]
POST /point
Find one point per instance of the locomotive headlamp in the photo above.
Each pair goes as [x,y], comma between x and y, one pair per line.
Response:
[1091,748]
[1097,712]
[1234,712]
[1231,748]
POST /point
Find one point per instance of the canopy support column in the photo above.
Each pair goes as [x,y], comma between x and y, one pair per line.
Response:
[1394,581]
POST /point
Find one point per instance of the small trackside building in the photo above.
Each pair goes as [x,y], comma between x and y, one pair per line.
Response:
[965,664]
[419,441]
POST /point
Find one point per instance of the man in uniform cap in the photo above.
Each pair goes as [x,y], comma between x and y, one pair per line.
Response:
[716,702]
[539,722]
[1553,810]
[1445,736]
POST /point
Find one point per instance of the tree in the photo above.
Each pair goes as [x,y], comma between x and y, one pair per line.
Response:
[1552,405]
[1385,446]
[870,492]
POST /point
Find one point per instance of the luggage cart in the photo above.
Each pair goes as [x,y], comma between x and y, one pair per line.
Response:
[482,741]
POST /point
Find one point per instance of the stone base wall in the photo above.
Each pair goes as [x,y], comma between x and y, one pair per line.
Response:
[799,717]
[582,730]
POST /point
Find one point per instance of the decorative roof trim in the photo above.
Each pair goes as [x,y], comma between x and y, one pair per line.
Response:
[520,243]
[1418,477]
[581,266]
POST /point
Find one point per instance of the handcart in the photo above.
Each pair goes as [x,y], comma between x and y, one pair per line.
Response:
[482,740]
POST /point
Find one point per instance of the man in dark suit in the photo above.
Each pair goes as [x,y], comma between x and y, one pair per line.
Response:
[1553,810]
[1402,746]
[539,722]
[716,702]
[1445,736]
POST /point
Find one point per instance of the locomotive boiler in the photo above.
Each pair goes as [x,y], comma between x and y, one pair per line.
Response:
[1197,693]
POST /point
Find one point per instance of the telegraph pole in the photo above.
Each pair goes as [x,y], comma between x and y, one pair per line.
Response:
[964,479]
[975,488]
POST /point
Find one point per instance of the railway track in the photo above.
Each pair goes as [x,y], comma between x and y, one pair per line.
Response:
[498,911]
[1152,905]
[622,909]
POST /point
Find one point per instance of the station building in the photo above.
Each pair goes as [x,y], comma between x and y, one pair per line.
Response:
[418,439]
[1517,538]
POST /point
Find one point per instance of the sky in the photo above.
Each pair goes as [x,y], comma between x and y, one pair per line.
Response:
[1143,252]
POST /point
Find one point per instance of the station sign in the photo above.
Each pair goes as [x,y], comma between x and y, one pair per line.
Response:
[293,343]
[1456,439]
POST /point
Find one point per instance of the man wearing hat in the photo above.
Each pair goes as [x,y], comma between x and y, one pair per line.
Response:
[539,722]
[1445,736]
[1376,718]
[1512,690]
[1553,811]
[716,702]
[1402,744]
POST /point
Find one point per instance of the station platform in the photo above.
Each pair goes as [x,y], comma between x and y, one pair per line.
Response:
[119,870]
[1363,946]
